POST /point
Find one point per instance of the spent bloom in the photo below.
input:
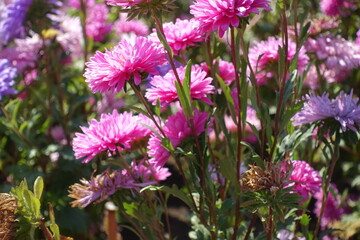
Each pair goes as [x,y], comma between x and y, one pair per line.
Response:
[305,180]
[7,74]
[100,187]
[269,56]
[176,129]
[11,20]
[344,109]
[110,70]
[113,132]
[96,26]
[181,34]
[220,14]
[164,88]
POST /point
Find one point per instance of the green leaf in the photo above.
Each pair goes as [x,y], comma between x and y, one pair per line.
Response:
[183,92]
[163,41]
[176,192]
[130,208]
[305,220]
[55,230]
[38,187]
[227,92]
[151,188]
[158,107]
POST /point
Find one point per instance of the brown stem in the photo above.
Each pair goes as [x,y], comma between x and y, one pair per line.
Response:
[136,226]
[270,225]
[45,230]
[166,212]
[251,225]
[83,28]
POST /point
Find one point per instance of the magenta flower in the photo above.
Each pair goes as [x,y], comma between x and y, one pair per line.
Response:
[332,209]
[225,70]
[96,26]
[267,64]
[305,180]
[335,7]
[220,14]
[176,128]
[344,109]
[110,70]
[164,88]
[113,132]
[100,187]
[181,34]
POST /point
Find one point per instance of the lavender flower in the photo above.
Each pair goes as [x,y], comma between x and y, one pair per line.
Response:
[7,74]
[344,109]
[11,20]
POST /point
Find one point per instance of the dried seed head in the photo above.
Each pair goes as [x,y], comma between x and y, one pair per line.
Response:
[273,178]
[7,216]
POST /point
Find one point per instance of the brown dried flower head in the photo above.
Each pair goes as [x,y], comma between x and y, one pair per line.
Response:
[7,216]
[272,178]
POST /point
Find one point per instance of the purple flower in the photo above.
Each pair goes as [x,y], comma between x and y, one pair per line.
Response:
[11,20]
[102,186]
[220,14]
[344,109]
[7,74]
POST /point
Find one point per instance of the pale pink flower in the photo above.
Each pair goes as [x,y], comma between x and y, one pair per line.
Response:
[269,57]
[225,70]
[176,129]
[125,3]
[96,26]
[113,132]
[181,34]
[109,102]
[220,14]
[70,36]
[110,70]
[164,88]
[121,26]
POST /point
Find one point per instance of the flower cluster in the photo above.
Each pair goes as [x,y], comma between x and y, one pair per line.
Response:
[225,70]
[164,88]
[344,109]
[110,70]
[96,26]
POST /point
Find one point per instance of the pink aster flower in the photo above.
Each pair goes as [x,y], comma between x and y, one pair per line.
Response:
[113,132]
[305,180]
[338,55]
[100,187]
[220,14]
[332,209]
[344,109]
[164,88]
[121,26]
[176,128]
[225,70]
[76,3]
[335,7]
[110,70]
[267,64]
[181,34]
[109,102]
[96,26]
